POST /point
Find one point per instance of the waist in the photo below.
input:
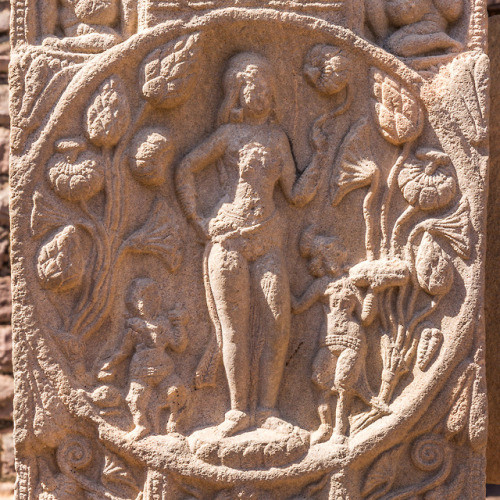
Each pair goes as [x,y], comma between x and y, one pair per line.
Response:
[341,342]
[229,225]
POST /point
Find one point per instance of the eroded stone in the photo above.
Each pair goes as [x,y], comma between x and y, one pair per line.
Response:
[247,249]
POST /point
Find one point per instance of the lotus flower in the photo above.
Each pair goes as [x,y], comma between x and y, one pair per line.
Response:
[429,183]
[327,68]
[433,266]
[169,72]
[150,155]
[108,115]
[60,262]
[74,176]
[397,111]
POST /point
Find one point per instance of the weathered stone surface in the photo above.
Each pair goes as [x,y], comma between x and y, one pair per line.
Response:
[6,396]
[493,263]
[244,271]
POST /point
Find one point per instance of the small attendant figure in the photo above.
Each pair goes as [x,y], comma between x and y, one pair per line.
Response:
[422,26]
[153,384]
[339,365]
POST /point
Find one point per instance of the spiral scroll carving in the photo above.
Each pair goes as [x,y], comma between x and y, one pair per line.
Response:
[74,453]
[428,453]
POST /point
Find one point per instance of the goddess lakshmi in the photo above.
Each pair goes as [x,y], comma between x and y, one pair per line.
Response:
[246,280]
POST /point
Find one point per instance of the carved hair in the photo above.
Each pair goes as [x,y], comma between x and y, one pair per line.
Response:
[240,68]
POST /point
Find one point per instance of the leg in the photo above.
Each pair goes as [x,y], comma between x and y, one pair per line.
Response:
[177,398]
[272,299]
[230,285]
[323,376]
[173,395]
[325,429]
[138,400]
[344,400]
[346,376]
[421,38]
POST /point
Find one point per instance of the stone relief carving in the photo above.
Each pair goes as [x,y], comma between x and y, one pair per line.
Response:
[248,272]
[411,29]
[86,26]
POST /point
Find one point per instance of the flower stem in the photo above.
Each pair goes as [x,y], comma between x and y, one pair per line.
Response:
[367,214]
[395,248]
[386,202]
[98,306]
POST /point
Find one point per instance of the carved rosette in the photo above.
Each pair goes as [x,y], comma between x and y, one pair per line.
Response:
[167,174]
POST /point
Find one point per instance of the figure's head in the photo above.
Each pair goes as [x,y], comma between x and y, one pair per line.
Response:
[142,298]
[326,254]
[248,89]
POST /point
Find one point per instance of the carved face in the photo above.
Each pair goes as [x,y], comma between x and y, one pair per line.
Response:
[328,257]
[142,299]
[255,93]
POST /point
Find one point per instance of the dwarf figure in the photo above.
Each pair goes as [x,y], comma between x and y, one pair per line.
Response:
[339,366]
[153,385]
[421,25]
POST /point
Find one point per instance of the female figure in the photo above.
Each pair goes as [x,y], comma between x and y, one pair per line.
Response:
[245,277]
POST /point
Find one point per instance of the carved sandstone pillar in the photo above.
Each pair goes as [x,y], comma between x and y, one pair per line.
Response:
[248,248]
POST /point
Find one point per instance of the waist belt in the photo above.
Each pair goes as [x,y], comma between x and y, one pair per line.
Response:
[341,342]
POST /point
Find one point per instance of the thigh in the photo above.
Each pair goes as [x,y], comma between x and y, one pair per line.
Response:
[347,369]
[324,366]
[230,287]
[271,286]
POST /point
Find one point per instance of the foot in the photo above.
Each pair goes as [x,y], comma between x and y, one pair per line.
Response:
[171,427]
[138,433]
[338,439]
[270,419]
[323,434]
[235,421]
[377,404]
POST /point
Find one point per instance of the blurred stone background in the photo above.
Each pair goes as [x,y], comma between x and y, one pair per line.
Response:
[7,472]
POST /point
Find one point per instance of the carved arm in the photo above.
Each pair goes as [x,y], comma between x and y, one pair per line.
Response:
[177,334]
[202,156]
[123,351]
[300,191]
[310,296]
[92,43]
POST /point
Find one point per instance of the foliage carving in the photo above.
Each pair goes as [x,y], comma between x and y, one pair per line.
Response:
[170,72]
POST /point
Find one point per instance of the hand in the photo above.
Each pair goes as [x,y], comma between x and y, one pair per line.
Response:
[201,227]
[319,140]
[137,325]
